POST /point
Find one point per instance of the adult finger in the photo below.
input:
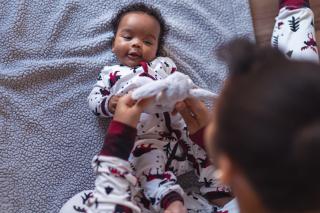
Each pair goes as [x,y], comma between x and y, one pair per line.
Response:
[199,110]
[195,105]
[187,115]
[126,99]
[142,104]
[178,107]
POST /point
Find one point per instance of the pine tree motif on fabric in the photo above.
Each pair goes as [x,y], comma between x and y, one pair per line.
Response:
[84,198]
[207,183]
[167,149]
[289,53]
[152,200]
[294,24]
[79,209]
[108,190]
[275,41]
[99,78]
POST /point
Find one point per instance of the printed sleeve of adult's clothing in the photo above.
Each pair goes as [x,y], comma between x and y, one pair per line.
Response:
[114,186]
[100,95]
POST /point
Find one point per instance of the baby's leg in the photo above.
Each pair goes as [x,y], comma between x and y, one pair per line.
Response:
[212,188]
[294,32]
[158,183]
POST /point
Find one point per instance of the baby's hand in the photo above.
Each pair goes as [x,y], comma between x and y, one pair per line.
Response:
[176,207]
[112,104]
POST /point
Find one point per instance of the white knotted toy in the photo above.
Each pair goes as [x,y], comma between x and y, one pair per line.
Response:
[168,91]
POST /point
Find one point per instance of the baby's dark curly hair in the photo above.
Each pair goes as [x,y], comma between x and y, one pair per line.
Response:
[147,9]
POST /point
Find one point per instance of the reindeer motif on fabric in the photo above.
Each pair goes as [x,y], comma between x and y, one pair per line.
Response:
[310,43]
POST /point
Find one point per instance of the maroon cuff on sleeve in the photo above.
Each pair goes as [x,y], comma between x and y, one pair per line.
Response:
[198,137]
[170,198]
[216,195]
[103,107]
[119,140]
[294,4]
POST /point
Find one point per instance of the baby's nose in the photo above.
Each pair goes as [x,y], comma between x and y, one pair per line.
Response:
[136,43]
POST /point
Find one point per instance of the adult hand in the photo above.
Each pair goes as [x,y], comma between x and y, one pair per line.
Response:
[112,104]
[128,111]
[195,114]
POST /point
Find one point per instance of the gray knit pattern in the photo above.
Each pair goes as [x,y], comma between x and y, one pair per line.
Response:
[50,55]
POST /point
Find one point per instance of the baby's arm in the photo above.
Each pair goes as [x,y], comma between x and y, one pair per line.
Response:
[101,100]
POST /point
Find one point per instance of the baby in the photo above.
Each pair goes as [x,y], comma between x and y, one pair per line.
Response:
[163,147]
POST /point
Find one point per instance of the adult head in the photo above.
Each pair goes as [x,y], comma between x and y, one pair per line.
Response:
[265,132]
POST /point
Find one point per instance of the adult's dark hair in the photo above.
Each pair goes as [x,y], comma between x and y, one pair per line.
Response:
[149,10]
[268,123]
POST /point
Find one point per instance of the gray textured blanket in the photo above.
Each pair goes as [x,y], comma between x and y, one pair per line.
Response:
[50,54]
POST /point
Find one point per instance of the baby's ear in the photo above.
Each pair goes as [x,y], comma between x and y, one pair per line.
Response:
[112,44]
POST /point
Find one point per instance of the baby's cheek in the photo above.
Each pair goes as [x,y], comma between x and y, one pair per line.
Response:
[150,58]
[151,54]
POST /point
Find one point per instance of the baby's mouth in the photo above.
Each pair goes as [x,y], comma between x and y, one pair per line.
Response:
[134,56]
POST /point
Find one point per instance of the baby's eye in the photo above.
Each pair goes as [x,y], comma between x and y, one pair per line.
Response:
[148,42]
[127,37]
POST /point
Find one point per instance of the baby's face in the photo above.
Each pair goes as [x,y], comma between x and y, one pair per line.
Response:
[136,39]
